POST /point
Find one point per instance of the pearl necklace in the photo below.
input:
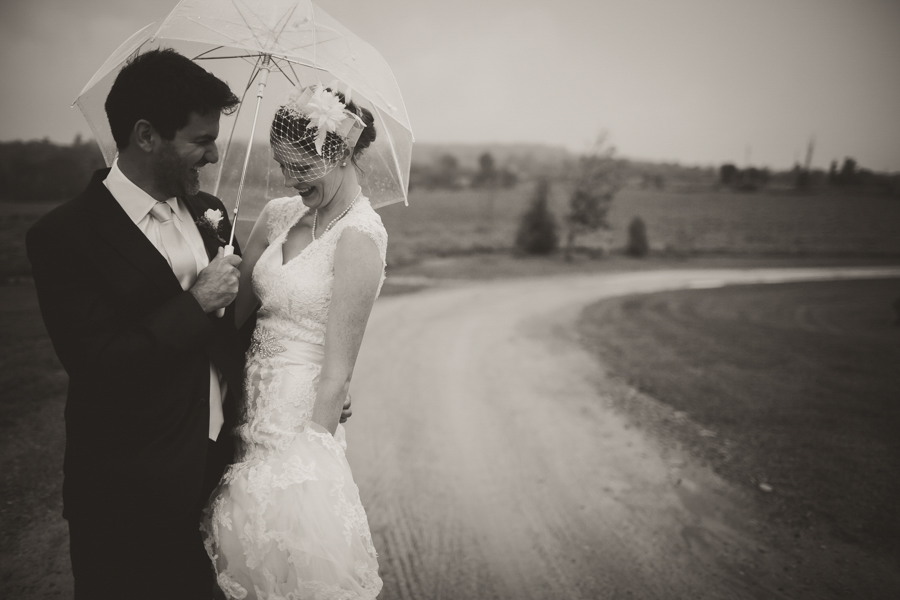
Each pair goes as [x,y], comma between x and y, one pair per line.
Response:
[333,221]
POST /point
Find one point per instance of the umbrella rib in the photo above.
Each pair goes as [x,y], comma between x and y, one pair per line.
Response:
[283,73]
[286,18]
[219,32]
[216,31]
[315,51]
[253,33]
[222,57]
[301,63]
[297,77]
[253,76]
[396,162]
[166,21]
[202,54]
[260,41]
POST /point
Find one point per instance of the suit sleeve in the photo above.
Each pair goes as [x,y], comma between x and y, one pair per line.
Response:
[242,336]
[91,335]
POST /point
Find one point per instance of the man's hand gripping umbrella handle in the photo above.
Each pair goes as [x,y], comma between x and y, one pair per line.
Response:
[228,251]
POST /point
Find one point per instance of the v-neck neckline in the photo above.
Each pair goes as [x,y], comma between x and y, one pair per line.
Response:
[283,237]
[293,224]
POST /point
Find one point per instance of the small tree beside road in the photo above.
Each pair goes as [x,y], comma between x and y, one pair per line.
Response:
[596,179]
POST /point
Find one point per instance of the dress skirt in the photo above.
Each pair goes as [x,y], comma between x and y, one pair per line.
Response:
[287,522]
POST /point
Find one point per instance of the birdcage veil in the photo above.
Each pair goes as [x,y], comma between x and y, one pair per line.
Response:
[313,130]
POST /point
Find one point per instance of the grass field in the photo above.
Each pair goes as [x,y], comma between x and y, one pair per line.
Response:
[442,223]
[469,234]
[794,386]
[445,223]
[32,440]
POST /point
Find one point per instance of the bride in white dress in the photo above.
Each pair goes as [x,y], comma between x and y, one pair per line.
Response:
[286,521]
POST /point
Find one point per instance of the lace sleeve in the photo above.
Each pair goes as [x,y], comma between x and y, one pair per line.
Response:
[281,214]
[369,223]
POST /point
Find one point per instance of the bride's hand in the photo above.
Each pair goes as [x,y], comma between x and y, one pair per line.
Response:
[347,411]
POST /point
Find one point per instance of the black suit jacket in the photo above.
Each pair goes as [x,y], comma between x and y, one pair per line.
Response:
[136,348]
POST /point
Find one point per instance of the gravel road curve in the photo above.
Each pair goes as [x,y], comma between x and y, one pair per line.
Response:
[491,466]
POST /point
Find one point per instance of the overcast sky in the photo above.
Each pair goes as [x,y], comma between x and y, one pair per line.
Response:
[694,81]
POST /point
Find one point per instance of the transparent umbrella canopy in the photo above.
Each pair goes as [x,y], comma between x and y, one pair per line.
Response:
[264,49]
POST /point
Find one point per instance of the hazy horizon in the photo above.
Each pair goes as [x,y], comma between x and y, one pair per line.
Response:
[699,83]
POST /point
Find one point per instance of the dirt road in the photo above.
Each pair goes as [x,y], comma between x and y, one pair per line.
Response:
[492,466]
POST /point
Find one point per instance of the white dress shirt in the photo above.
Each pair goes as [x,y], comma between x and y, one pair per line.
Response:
[137,204]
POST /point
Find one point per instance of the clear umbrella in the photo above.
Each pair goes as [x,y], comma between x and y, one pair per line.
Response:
[264,49]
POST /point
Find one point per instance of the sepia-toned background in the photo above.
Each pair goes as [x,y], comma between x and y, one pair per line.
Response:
[641,327]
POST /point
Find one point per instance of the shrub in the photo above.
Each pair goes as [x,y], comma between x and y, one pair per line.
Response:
[637,239]
[537,228]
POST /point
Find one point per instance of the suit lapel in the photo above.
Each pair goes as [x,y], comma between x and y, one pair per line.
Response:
[110,222]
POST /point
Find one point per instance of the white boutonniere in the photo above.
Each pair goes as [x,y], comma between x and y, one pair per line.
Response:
[211,221]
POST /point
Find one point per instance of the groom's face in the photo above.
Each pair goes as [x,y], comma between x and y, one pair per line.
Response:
[177,162]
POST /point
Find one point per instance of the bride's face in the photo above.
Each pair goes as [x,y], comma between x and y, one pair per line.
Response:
[314,178]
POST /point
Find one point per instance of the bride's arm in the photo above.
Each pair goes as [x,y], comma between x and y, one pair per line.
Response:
[357,273]
[246,302]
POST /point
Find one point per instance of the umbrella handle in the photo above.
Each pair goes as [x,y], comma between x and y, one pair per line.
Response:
[229,250]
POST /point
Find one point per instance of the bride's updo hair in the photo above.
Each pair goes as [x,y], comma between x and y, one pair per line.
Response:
[289,128]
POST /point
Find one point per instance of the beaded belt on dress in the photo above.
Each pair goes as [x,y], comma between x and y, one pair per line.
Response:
[266,345]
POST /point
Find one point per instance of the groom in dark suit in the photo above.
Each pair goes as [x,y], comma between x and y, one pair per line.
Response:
[129,275]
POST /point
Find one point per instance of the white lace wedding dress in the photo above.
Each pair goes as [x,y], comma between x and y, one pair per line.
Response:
[286,522]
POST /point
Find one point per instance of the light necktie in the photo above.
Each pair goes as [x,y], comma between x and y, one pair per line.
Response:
[174,247]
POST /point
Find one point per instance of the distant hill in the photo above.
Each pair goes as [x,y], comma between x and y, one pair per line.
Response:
[528,161]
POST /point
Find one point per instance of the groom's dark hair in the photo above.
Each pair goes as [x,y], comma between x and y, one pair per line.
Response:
[164,88]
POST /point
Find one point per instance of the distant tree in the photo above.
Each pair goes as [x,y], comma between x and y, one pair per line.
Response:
[486,177]
[486,164]
[652,180]
[448,170]
[848,174]
[751,179]
[833,173]
[728,175]
[442,172]
[537,227]
[802,179]
[638,245]
[506,178]
[43,170]
[596,180]
[489,176]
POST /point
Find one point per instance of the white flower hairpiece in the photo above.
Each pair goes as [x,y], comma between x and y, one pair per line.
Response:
[327,114]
